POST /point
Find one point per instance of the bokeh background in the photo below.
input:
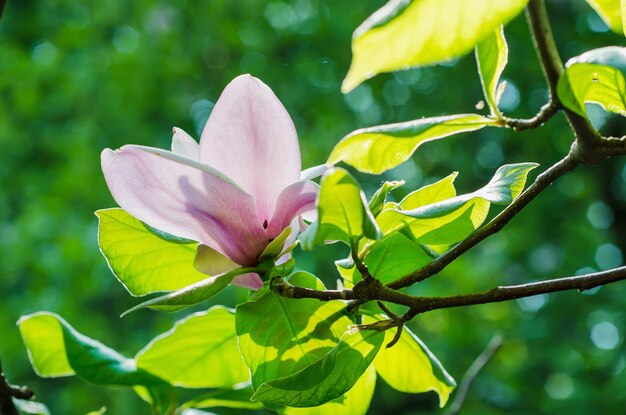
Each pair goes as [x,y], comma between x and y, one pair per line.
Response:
[79,76]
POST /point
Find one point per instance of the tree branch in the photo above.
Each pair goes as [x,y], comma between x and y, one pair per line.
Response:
[8,392]
[513,292]
[475,368]
[544,180]
[587,137]
[545,113]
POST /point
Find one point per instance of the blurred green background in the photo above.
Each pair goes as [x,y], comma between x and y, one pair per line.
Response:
[79,76]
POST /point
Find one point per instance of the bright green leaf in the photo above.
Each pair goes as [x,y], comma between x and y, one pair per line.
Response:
[142,261]
[354,402]
[279,336]
[329,377]
[56,349]
[451,220]
[388,220]
[343,213]
[200,351]
[406,33]
[613,12]
[100,411]
[410,367]
[596,77]
[395,256]
[275,247]
[378,149]
[31,407]
[231,398]
[192,294]
[492,56]
[380,196]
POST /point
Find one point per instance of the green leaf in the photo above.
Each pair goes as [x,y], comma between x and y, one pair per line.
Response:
[343,213]
[354,402]
[395,256]
[380,196]
[200,351]
[279,336]
[142,261]
[231,398]
[451,220]
[56,349]
[100,411]
[192,294]
[275,247]
[596,77]
[378,149]
[31,407]
[329,377]
[492,56]
[388,220]
[406,33]
[410,367]
[613,12]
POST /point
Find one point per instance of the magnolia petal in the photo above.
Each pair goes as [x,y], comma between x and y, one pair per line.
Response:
[294,200]
[184,144]
[250,137]
[211,262]
[250,280]
[175,197]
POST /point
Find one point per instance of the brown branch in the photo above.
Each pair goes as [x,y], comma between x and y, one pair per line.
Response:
[373,290]
[541,183]
[475,368]
[8,392]
[587,137]
[513,292]
[545,113]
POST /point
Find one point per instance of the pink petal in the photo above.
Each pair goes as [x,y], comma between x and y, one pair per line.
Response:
[294,200]
[251,138]
[251,280]
[184,144]
[180,196]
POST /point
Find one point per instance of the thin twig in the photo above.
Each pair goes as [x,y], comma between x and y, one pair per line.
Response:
[506,293]
[552,66]
[541,183]
[478,364]
[545,113]
[8,392]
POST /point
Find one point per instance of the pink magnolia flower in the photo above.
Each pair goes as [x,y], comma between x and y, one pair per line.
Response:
[234,192]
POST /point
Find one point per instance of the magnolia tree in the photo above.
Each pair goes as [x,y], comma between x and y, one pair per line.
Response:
[230,209]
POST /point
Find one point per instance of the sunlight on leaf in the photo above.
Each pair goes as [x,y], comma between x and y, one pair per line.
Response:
[613,12]
[56,349]
[343,213]
[142,261]
[192,294]
[405,33]
[354,402]
[200,351]
[279,336]
[596,77]
[329,377]
[492,56]
[410,367]
[378,149]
